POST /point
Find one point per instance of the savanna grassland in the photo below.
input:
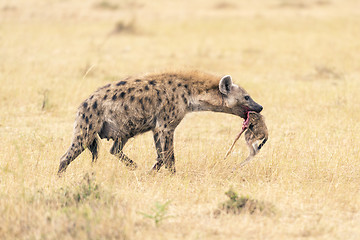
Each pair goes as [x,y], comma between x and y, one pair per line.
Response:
[299,59]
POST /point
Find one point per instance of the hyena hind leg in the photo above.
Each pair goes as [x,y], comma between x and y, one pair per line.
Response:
[74,151]
[116,150]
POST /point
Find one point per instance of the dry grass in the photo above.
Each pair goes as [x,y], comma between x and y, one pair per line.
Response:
[300,63]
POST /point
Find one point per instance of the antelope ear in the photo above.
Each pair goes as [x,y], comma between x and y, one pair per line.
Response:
[225,84]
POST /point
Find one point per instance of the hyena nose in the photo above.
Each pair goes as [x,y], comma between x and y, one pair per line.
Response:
[260,108]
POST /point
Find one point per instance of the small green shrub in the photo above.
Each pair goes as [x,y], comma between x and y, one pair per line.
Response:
[244,204]
[158,213]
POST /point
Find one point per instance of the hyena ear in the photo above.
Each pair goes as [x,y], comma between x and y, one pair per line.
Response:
[225,84]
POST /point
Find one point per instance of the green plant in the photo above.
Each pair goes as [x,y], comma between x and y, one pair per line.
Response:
[158,212]
[237,205]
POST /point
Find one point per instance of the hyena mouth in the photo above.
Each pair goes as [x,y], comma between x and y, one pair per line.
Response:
[246,113]
[246,121]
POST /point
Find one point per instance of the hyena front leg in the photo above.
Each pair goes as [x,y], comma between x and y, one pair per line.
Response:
[164,143]
[116,150]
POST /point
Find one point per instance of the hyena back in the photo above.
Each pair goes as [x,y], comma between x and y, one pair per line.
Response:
[156,102]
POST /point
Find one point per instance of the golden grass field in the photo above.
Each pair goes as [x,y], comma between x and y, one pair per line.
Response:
[299,59]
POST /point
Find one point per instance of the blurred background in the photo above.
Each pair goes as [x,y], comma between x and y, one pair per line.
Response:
[298,58]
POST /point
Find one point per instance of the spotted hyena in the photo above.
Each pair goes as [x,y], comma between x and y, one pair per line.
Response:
[156,102]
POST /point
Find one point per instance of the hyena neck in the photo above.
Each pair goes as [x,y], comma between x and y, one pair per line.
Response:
[210,100]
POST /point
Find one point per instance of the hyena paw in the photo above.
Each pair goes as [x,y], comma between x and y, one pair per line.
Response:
[131,165]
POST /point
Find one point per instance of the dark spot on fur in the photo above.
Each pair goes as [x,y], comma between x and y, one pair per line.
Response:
[80,126]
[142,104]
[165,125]
[94,106]
[90,126]
[146,88]
[87,120]
[108,90]
[92,96]
[132,98]
[122,94]
[131,124]
[85,104]
[98,113]
[159,100]
[126,107]
[121,83]
[114,97]
[179,84]
[157,92]
[186,86]
[184,98]
[83,116]
[140,90]
[174,89]
[166,145]
[90,116]
[105,97]
[111,112]
[107,85]
[153,82]
[138,80]
[170,82]
[130,89]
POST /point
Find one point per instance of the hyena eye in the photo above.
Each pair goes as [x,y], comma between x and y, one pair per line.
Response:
[247,98]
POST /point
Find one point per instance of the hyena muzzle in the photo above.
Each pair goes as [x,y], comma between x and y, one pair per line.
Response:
[156,102]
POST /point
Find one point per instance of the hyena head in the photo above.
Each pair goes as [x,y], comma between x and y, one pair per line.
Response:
[237,99]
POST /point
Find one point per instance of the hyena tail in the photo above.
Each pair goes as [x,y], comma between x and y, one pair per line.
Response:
[262,143]
[94,148]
